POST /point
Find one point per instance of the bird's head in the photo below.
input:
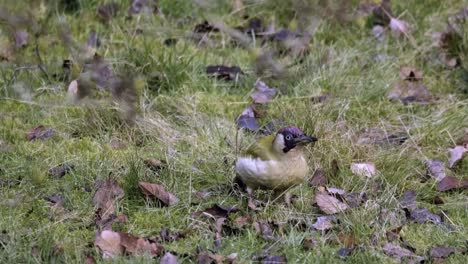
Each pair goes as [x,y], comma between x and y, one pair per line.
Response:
[291,138]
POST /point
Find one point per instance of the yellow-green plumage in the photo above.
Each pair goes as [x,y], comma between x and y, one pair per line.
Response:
[266,166]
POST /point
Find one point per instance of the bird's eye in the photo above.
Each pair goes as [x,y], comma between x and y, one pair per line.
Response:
[288,137]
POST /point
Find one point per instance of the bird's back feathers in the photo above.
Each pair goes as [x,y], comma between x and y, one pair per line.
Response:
[262,148]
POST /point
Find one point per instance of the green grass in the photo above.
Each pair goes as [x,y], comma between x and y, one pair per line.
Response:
[187,119]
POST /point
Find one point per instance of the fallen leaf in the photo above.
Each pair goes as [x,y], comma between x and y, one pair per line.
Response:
[168,236]
[224,72]
[309,243]
[410,74]
[263,227]
[155,164]
[262,94]
[354,199]
[108,11]
[409,200]
[107,193]
[364,169]
[423,215]
[442,251]
[329,204]
[158,191]
[345,252]
[456,154]
[333,190]
[216,211]
[247,120]
[399,27]
[60,170]
[21,38]
[324,223]
[347,239]
[169,258]
[139,246]
[40,132]
[400,253]
[408,92]
[319,178]
[108,242]
[450,183]
[436,169]
[241,221]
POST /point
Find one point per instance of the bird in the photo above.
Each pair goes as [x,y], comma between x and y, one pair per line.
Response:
[275,162]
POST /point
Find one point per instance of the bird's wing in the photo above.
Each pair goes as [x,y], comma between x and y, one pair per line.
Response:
[262,148]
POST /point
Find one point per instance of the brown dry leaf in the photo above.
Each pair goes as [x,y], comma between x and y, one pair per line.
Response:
[366,169]
[107,193]
[436,169]
[442,251]
[410,88]
[423,215]
[158,191]
[354,199]
[40,132]
[329,204]
[400,253]
[241,221]
[216,211]
[108,242]
[263,227]
[456,154]
[408,92]
[155,164]
[324,223]
[262,94]
[410,74]
[309,243]
[450,183]
[169,258]
[409,200]
[319,178]
[138,245]
[399,27]
[60,170]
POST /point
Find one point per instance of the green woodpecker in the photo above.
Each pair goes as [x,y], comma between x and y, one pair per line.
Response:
[275,162]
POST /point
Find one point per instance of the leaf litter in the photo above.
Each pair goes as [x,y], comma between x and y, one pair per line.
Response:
[159,192]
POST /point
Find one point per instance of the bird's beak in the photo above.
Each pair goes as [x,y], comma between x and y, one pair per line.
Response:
[302,140]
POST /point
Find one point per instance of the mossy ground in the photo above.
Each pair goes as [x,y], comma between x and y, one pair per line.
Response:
[187,119]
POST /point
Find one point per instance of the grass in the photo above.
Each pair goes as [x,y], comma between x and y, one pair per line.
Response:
[187,119]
